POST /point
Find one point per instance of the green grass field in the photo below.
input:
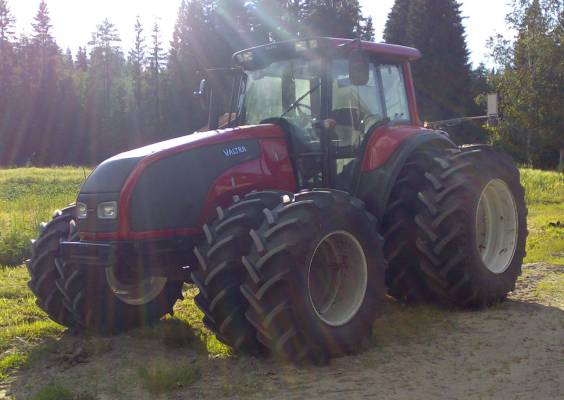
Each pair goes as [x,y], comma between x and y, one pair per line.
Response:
[29,195]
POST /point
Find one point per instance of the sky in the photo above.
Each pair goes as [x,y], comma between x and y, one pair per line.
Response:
[75,20]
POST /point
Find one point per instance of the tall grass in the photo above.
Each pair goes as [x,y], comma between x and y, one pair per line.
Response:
[542,187]
[28,196]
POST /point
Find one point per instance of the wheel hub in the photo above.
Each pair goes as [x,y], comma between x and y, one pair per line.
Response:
[337,278]
[496,226]
[133,289]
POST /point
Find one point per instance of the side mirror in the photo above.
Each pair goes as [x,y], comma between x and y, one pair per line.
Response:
[359,68]
[203,94]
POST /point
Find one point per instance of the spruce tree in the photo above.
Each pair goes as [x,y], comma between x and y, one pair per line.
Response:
[42,26]
[443,76]
[82,59]
[45,62]
[105,54]
[368,30]
[7,22]
[137,61]
[156,66]
[396,25]
[105,72]
[335,18]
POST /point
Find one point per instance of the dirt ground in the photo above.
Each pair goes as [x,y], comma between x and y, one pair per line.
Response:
[511,351]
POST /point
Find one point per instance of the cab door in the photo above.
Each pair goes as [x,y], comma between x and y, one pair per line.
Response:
[357,112]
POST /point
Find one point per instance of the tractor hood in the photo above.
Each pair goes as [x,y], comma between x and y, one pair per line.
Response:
[111,174]
[165,186]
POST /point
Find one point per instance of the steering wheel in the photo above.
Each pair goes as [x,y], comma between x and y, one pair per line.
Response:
[369,120]
[349,116]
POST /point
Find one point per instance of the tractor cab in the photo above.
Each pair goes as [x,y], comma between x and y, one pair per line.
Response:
[328,95]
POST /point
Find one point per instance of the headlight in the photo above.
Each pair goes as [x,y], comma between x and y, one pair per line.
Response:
[81,211]
[301,46]
[107,210]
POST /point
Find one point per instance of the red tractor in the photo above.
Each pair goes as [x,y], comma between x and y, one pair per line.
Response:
[320,193]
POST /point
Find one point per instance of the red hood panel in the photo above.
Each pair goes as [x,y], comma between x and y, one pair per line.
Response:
[198,139]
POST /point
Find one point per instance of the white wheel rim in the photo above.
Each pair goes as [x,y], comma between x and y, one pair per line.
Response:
[135,294]
[496,226]
[336,290]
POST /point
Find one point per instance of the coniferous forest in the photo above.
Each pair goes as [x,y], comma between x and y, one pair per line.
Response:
[63,107]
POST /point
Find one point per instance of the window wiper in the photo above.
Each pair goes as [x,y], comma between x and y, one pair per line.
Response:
[297,102]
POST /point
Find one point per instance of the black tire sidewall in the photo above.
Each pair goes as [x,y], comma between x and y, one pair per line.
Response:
[487,171]
[339,339]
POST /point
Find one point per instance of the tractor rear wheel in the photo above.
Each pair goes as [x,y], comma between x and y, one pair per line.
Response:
[472,226]
[315,276]
[220,273]
[44,263]
[404,279]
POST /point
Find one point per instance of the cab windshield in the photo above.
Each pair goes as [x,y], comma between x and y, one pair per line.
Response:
[294,89]
[272,92]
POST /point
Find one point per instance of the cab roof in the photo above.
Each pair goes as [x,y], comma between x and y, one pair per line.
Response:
[385,50]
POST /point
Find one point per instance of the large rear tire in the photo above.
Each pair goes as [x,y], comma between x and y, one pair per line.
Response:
[220,272]
[404,279]
[472,226]
[43,269]
[315,276]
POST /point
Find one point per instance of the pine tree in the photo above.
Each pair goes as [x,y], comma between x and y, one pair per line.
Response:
[368,30]
[104,53]
[105,72]
[336,18]
[7,22]
[82,59]
[156,60]
[42,26]
[42,40]
[46,62]
[396,26]
[137,61]
[68,60]
[443,76]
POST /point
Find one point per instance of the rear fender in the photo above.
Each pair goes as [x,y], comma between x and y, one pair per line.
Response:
[384,159]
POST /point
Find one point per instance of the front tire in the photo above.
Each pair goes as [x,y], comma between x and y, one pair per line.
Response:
[219,272]
[315,276]
[98,307]
[472,226]
[43,268]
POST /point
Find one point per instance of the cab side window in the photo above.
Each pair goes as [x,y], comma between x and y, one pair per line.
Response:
[394,93]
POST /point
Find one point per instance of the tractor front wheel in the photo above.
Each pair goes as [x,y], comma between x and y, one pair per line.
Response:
[219,272]
[113,300]
[315,276]
[44,265]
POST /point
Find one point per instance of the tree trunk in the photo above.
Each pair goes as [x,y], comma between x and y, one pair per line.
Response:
[561,162]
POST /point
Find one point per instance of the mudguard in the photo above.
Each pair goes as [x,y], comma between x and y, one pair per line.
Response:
[384,158]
